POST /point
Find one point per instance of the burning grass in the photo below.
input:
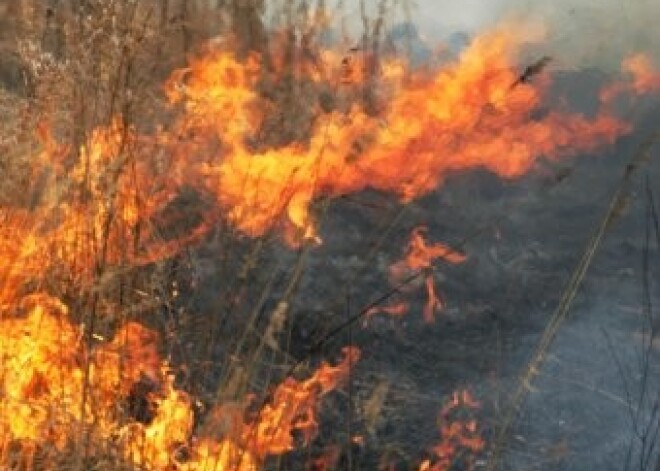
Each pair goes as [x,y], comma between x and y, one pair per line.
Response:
[95,234]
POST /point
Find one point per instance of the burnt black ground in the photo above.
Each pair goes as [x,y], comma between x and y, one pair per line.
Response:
[524,239]
[533,232]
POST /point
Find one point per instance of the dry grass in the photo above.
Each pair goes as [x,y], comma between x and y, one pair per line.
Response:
[72,67]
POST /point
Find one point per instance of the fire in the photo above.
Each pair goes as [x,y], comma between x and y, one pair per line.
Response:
[20,253]
[397,309]
[466,116]
[154,446]
[645,78]
[460,439]
[293,406]
[41,377]
[420,256]
[52,385]
[95,210]
[99,203]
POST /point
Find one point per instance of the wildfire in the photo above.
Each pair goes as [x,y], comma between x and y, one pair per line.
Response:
[467,116]
[98,204]
[292,408]
[645,78]
[420,257]
[52,385]
[94,210]
[460,439]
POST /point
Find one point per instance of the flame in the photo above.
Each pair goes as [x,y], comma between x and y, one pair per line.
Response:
[224,455]
[41,376]
[20,253]
[396,309]
[467,116]
[645,78]
[95,210]
[52,385]
[420,256]
[460,439]
[153,446]
[293,406]
[98,205]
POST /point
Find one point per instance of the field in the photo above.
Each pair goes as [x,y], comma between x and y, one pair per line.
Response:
[239,235]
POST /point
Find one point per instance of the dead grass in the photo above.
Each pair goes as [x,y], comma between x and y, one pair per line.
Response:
[72,67]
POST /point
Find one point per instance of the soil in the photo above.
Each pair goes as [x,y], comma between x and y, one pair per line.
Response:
[524,239]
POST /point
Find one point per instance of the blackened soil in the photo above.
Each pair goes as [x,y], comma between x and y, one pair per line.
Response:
[523,239]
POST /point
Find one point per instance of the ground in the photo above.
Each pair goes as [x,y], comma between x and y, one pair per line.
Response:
[531,234]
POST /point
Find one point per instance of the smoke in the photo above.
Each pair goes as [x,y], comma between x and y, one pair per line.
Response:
[581,33]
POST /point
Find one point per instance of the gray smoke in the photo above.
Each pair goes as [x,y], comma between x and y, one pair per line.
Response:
[581,33]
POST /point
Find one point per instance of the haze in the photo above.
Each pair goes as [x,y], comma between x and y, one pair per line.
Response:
[580,32]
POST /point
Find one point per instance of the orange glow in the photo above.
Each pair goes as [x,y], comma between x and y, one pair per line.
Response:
[154,445]
[21,253]
[98,207]
[98,213]
[460,438]
[41,374]
[421,256]
[645,78]
[467,116]
[397,309]
[43,382]
[433,301]
[293,408]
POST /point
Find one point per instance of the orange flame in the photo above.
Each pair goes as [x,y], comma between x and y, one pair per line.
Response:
[645,78]
[420,256]
[397,309]
[47,395]
[98,205]
[293,406]
[467,116]
[97,213]
[460,439]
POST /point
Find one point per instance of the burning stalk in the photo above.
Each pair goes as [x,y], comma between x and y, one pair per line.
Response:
[43,385]
[532,70]
[103,193]
[460,438]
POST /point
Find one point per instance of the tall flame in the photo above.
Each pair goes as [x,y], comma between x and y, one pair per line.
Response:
[467,116]
[52,385]
[98,205]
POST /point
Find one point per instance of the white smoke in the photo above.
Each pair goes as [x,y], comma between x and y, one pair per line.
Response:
[581,33]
